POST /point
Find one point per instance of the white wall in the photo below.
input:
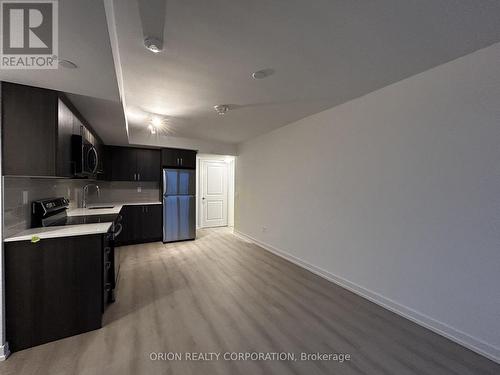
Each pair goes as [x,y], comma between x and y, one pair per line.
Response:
[395,194]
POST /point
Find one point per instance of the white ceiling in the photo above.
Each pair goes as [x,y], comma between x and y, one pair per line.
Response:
[83,39]
[324,52]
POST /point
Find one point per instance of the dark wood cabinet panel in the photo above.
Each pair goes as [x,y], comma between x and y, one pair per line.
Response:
[64,165]
[177,158]
[53,289]
[141,223]
[169,157]
[131,225]
[37,127]
[133,164]
[188,159]
[123,164]
[152,222]
[29,130]
[148,164]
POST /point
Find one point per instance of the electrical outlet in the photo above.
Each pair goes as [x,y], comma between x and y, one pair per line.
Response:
[139,189]
[25,197]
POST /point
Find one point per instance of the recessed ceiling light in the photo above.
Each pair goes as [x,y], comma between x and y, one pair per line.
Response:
[221,109]
[153,44]
[67,64]
[260,74]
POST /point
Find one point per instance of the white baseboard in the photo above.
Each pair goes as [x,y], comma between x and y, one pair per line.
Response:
[4,351]
[477,345]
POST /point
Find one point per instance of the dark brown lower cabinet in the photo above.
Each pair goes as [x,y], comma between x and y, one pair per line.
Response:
[53,289]
[141,223]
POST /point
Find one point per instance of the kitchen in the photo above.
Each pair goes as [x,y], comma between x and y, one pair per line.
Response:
[236,187]
[139,195]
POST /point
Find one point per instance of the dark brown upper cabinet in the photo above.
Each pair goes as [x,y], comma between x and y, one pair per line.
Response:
[178,158]
[66,128]
[133,164]
[29,130]
[37,125]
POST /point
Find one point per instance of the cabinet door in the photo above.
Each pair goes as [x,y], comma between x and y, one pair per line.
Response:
[123,164]
[53,289]
[132,225]
[187,158]
[65,167]
[29,126]
[127,226]
[152,222]
[148,164]
[169,157]
[177,158]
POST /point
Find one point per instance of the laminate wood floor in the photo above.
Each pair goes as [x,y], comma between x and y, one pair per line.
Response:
[220,294]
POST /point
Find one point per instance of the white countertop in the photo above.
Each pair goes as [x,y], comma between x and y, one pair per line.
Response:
[80,229]
[116,207]
[62,231]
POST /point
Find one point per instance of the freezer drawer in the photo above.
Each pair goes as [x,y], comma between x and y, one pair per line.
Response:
[179,218]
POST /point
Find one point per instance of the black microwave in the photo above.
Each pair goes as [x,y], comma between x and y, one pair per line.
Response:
[84,156]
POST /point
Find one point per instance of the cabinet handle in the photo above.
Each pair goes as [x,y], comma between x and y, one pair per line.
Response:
[138,176]
[181,161]
[134,176]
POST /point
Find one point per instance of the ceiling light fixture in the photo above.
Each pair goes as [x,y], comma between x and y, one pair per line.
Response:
[260,74]
[153,44]
[152,129]
[156,121]
[221,109]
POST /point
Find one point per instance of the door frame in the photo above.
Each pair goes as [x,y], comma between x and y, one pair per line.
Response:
[230,163]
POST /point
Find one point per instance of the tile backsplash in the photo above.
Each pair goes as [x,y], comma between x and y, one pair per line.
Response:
[19,192]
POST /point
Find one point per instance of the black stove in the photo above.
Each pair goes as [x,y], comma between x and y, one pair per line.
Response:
[52,212]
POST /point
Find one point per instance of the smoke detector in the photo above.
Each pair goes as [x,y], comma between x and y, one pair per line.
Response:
[261,74]
[67,64]
[221,109]
[153,44]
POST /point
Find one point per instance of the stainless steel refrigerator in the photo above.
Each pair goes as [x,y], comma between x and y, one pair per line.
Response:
[179,204]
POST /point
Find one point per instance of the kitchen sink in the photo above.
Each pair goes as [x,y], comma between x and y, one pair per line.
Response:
[100,207]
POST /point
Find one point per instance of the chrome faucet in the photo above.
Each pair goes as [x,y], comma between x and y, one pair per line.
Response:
[86,190]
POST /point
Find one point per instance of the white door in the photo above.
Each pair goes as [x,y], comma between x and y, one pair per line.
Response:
[213,193]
